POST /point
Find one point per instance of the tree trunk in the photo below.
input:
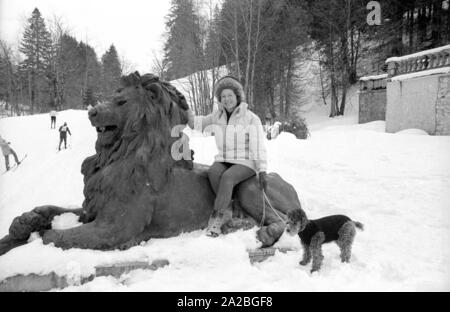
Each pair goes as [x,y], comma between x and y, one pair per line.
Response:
[289,73]
[343,99]
[30,92]
[249,50]
[334,108]
[193,95]
[236,42]
[334,100]
[355,62]
[447,38]
[422,25]
[436,24]
[397,43]
[257,38]
[281,87]
[352,73]
[410,30]
[321,84]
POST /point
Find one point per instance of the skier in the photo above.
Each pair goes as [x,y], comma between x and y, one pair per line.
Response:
[7,150]
[53,114]
[63,135]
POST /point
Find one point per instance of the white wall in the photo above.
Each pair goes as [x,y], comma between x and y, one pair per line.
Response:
[411,103]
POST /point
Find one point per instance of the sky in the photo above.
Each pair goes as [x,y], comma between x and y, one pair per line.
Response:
[136,27]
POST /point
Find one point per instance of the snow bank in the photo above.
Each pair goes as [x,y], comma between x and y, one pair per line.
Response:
[65,221]
[286,137]
[377,126]
[376,77]
[412,132]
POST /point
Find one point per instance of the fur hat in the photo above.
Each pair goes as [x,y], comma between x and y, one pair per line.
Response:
[229,82]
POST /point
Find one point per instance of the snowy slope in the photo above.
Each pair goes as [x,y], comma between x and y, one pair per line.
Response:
[45,176]
[396,184]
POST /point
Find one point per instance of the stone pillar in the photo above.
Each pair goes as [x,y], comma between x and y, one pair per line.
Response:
[372,99]
[443,106]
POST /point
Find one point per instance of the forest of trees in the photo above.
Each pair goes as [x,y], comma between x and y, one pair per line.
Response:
[54,70]
[263,43]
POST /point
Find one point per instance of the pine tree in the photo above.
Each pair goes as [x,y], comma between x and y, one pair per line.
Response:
[67,72]
[36,46]
[183,51]
[89,98]
[111,71]
[8,77]
[91,75]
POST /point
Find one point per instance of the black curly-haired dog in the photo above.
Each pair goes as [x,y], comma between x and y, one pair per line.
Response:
[313,233]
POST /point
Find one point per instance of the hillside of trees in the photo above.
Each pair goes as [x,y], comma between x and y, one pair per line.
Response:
[54,70]
[266,43]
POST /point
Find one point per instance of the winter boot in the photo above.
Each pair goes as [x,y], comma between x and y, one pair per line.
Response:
[217,220]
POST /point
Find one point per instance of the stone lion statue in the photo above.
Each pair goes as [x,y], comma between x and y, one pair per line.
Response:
[134,190]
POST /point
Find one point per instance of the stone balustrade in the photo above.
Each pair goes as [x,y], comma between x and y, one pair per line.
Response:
[425,60]
[373,82]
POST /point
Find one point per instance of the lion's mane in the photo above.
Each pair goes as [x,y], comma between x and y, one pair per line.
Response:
[141,157]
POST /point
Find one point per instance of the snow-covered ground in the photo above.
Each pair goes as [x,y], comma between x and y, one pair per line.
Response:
[396,184]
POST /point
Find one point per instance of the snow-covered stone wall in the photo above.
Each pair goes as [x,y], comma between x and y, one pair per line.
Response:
[415,103]
[418,92]
[427,60]
[372,105]
[372,98]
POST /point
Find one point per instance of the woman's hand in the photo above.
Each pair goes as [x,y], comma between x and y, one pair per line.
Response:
[263,180]
[191,117]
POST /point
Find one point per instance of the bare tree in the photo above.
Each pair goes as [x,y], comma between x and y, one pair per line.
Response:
[230,35]
[159,66]
[56,73]
[8,77]
[126,66]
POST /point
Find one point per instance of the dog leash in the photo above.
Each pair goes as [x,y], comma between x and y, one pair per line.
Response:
[264,209]
[264,212]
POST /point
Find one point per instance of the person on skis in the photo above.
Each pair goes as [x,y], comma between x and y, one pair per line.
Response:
[238,160]
[7,150]
[53,114]
[63,130]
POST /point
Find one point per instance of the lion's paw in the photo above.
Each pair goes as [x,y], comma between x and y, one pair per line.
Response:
[24,225]
[264,237]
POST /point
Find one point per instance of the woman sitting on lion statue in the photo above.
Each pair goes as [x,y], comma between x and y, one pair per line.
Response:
[242,153]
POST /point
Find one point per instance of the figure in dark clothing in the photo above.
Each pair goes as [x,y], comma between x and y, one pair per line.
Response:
[53,114]
[63,130]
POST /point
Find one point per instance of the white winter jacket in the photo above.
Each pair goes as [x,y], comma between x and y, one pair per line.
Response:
[240,141]
[6,149]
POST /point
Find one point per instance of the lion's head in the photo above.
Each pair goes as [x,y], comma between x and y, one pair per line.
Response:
[133,140]
[141,104]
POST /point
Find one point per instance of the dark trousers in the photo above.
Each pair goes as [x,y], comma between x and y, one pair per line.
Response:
[223,177]
[52,122]
[61,139]
[7,159]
